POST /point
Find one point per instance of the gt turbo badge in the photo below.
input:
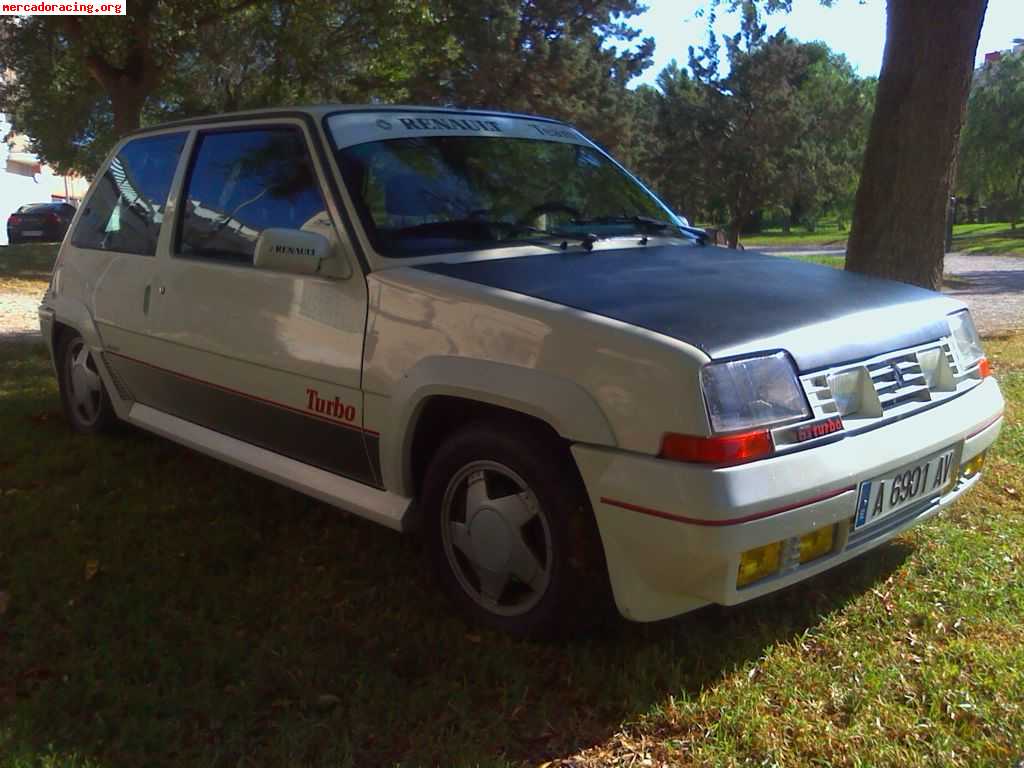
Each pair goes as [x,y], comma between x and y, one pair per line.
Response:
[818,428]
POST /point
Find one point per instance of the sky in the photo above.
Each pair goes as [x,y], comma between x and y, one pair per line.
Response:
[853,27]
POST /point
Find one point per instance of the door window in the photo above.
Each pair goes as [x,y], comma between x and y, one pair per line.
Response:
[241,183]
[127,205]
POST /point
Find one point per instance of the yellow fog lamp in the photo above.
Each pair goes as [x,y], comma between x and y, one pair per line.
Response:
[973,467]
[817,543]
[759,563]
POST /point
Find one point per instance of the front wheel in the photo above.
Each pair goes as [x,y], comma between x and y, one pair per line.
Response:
[85,400]
[511,533]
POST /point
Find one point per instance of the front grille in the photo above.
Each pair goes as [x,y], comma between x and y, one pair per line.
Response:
[872,392]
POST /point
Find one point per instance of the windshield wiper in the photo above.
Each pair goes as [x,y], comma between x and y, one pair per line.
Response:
[645,222]
[473,228]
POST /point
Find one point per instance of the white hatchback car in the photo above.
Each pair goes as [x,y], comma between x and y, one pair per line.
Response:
[479,326]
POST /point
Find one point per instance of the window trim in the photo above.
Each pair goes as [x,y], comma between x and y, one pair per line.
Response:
[240,127]
[83,206]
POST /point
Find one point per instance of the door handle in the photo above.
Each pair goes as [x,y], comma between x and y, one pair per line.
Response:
[145,300]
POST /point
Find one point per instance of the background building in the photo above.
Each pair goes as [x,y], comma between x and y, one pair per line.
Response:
[23,179]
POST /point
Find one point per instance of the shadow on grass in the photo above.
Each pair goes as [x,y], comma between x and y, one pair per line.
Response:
[999,242]
[166,609]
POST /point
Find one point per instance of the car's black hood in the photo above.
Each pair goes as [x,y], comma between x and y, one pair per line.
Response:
[727,302]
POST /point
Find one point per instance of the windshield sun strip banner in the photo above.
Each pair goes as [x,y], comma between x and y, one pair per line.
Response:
[349,129]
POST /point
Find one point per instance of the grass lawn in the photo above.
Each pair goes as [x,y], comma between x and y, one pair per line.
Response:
[160,608]
[996,239]
[826,236]
[25,269]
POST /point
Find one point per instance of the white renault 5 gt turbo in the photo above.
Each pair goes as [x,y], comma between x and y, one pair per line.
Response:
[479,326]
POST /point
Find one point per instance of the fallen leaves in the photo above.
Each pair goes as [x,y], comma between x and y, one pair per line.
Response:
[92,567]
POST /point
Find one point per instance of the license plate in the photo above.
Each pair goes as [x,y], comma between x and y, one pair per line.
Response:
[882,496]
[32,232]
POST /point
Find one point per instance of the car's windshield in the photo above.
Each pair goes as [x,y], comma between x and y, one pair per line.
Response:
[433,194]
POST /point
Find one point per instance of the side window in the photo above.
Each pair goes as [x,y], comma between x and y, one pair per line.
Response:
[242,182]
[126,207]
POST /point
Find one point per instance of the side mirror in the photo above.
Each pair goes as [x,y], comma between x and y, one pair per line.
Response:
[291,250]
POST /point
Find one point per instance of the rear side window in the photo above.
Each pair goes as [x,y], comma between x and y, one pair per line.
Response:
[242,182]
[126,207]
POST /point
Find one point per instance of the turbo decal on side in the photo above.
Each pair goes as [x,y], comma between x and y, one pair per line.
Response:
[334,407]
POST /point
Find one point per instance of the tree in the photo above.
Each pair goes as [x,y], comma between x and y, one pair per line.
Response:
[900,215]
[782,130]
[77,85]
[127,57]
[821,165]
[992,150]
[552,57]
[900,212]
[79,82]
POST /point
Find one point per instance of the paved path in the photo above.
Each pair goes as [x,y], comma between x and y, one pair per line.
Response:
[19,318]
[992,286]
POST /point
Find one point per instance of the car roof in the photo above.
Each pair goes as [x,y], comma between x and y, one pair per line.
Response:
[319,111]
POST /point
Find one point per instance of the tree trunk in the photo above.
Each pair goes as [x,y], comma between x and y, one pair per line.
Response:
[127,107]
[900,216]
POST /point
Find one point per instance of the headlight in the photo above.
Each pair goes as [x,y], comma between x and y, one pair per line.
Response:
[966,343]
[753,392]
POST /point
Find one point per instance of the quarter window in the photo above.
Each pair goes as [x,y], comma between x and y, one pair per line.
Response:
[127,205]
[241,183]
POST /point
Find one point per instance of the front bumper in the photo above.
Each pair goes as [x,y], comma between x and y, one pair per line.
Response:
[673,533]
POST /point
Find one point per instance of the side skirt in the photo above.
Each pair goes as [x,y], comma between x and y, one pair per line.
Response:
[379,506]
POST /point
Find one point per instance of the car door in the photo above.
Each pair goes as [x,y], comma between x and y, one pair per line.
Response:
[116,239]
[268,357]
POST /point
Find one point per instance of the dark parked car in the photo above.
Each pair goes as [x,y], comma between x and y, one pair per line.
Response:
[42,222]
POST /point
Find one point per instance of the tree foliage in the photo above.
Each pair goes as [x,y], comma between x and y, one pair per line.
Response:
[79,82]
[992,146]
[782,131]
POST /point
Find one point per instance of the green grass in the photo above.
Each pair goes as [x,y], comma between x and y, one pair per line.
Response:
[161,608]
[998,239]
[995,238]
[232,622]
[827,235]
[29,261]
[826,259]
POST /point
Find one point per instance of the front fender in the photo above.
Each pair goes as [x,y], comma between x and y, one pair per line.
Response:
[561,403]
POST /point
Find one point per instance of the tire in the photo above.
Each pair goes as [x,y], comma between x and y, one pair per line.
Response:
[511,534]
[83,396]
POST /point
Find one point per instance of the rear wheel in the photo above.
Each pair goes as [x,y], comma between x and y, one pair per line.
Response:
[511,533]
[83,396]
